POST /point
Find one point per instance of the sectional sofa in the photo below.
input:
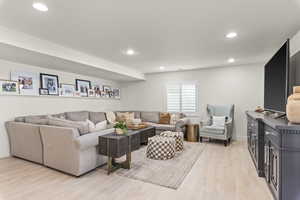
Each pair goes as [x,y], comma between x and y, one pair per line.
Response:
[65,148]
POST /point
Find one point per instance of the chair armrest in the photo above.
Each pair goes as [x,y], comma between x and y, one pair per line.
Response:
[181,123]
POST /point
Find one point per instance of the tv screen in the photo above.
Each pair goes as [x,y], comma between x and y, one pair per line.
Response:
[277,82]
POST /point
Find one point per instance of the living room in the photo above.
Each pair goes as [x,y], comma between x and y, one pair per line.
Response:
[150,105]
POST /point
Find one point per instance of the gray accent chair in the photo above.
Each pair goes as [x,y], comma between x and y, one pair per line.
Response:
[219,133]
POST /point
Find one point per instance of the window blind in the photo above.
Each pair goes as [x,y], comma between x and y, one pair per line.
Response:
[182,98]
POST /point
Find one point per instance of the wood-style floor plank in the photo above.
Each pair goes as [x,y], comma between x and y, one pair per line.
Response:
[221,173]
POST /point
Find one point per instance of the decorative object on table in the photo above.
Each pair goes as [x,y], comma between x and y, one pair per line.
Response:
[121,127]
[83,86]
[259,109]
[178,136]
[138,126]
[9,87]
[28,82]
[106,91]
[116,93]
[293,106]
[91,93]
[161,148]
[50,82]
[44,91]
[67,90]
[223,133]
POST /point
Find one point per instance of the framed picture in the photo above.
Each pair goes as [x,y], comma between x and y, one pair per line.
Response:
[106,91]
[44,91]
[50,82]
[116,93]
[91,93]
[28,82]
[67,90]
[9,87]
[97,89]
[77,94]
[83,87]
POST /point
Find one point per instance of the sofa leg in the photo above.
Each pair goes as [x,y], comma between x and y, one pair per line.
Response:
[229,140]
[200,139]
[225,143]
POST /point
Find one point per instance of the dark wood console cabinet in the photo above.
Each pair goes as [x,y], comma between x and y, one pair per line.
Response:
[276,143]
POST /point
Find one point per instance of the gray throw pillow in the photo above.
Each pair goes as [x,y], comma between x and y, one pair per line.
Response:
[39,119]
[82,126]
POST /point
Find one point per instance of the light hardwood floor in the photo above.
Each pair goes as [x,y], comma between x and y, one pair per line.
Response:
[221,173]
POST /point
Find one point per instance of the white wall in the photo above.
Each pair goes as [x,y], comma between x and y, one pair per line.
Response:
[295,44]
[12,106]
[239,85]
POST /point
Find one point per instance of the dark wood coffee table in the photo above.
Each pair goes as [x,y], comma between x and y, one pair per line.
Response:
[115,146]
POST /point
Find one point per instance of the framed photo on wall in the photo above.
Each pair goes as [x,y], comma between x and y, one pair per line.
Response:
[9,87]
[116,93]
[44,91]
[67,90]
[50,82]
[83,87]
[107,91]
[28,82]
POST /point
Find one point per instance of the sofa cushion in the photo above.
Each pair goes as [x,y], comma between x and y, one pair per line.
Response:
[125,116]
[77,116]
[60,115]
[150,117]
[213,130]
[166,127]
[38,119]
[20,119]
[82,126]
[174,118]
[164,118]
[97,117]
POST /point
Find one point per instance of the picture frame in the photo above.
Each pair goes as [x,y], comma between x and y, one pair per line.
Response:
[43,91]
[50,82]
[98,90]
[67,90]
[83,86]
[28,82]
[116,93]
[91,93]
[8,87]
[107,91]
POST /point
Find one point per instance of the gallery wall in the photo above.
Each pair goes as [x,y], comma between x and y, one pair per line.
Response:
[12,106]
[238,85]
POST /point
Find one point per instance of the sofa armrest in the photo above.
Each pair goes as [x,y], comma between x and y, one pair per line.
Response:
[90,140]
[181,123]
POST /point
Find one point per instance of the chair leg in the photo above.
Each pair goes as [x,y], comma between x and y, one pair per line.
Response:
[225,143]
[229,140]
[200,139]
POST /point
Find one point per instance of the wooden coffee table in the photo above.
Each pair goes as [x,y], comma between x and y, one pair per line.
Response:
[115,146]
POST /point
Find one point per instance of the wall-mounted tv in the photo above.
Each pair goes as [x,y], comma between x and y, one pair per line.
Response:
[278,80]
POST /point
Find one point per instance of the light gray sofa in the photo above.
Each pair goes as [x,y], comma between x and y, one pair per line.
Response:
[63,148]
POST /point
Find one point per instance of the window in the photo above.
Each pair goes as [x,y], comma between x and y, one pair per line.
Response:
[182,98]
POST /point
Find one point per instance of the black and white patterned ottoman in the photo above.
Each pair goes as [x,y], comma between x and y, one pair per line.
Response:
[161,148]
[178,136]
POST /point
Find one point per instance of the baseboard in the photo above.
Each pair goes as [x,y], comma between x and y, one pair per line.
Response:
[5,157]
[241,138]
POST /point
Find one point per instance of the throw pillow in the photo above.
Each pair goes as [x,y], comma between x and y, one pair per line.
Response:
[111,117]
[122,116]
[96,127]
[174,118]
[218,121]
[164,118]
[83,127]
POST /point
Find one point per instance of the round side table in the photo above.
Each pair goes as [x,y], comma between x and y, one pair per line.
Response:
[193,132]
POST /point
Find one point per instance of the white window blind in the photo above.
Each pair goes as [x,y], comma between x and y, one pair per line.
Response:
[182,98]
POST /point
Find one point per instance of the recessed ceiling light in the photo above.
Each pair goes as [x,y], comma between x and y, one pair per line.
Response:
[130,52]
[231,60]
[231,35]
[162,67]
[40,6]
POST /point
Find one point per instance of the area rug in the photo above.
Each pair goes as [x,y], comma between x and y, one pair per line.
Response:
[167,173]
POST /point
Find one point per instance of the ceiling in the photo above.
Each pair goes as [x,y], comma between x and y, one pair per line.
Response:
[176,34]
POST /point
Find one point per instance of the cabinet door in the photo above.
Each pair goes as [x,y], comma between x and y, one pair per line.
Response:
[274,168]
[267,160]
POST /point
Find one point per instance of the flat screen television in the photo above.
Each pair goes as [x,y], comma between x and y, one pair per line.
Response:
[278,80]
